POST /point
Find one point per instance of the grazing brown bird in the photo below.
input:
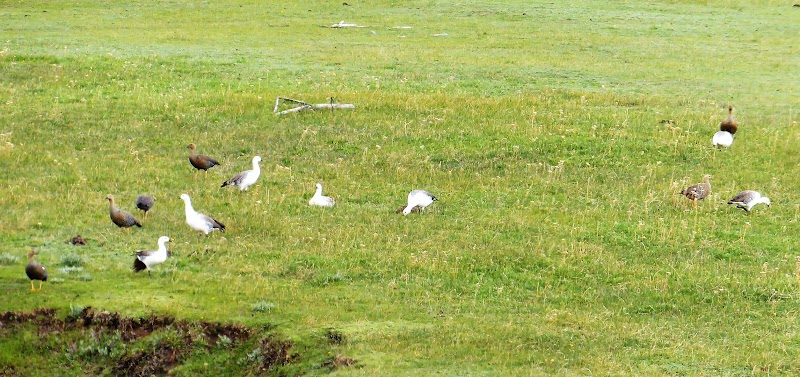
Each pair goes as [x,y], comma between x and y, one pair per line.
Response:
[698,191]
[35,271]
[729,125]
[199,161]
[145,203]
[121,218]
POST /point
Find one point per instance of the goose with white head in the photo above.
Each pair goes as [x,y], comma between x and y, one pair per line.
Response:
[419,198]
[246,178]
[320,200]
[199,221]
[748,199]
[149,258]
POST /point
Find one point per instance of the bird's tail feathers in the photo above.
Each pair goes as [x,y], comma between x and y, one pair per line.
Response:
[138,265]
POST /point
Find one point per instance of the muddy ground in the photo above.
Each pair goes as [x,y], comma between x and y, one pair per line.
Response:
[109,343]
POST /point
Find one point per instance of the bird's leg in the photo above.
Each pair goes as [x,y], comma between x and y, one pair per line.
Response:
[32,288]
[148,273]
[128,231]
[695,203]
[40,284]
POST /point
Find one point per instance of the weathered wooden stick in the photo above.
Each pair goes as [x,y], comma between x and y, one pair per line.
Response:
[318,106]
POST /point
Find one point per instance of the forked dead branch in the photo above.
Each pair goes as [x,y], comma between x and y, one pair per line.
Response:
[306,106]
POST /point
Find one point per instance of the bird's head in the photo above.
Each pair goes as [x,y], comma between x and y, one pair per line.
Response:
[110,198]
[164,239]
[767,202]
[185,197]
[256,159]
[191,146]
[319,186]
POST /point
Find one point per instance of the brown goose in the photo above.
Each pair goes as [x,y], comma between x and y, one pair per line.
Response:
[144,203]
[35,271]
[698,191]
[729,125]
[121,218]
[199,161]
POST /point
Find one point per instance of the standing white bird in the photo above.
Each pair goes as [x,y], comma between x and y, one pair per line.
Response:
[748,199]
[246,178]
[199,221]
[319,200]
[722,139]
[148,258]
[419,198]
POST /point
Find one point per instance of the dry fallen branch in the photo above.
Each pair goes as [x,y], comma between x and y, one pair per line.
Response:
[306,106]
[343,24]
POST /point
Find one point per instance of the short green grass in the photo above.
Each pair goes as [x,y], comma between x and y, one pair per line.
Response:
[556,136]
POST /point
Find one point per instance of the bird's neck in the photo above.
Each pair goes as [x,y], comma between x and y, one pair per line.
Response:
[188,206]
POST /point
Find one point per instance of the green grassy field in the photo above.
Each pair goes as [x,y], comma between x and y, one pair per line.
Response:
[556,136]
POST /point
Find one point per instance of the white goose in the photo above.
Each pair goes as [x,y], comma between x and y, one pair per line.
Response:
[319,200]
[246,178]
[748,199]
[419,198]
[722,139]
[199,221]
[148,258]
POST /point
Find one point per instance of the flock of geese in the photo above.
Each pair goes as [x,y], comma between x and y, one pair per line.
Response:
[145,259]
[746,199]
[417,199]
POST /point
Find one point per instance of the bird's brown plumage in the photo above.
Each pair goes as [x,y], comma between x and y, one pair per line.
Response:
[698,191]
[729,124]
[35,271]
[120,218]
[199,161]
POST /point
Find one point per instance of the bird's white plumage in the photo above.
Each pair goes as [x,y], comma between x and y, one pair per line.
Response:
[247,178]
[722,139]
[748,199]
[199,221]
[152,258]
[319,200]
[419,198]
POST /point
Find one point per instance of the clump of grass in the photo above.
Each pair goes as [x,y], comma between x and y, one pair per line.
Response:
[70,270]
[7,259]
[72,260]
[85,277]
[335,336]
[224,342]
[75,312]
[262,306]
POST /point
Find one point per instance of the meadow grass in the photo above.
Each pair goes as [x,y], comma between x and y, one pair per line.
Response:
[556,136]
